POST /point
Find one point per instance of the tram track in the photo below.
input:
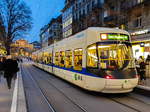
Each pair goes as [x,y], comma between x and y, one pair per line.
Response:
[116,100]
[119,101]
[44,94]
[112,99]
[125,105]
[138,100]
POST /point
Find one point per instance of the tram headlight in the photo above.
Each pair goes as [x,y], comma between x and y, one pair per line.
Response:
[104,36]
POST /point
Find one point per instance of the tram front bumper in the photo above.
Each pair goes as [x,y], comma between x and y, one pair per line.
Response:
[120,85]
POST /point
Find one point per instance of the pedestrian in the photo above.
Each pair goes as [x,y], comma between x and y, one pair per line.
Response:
[142,70]
[1,67]
[137,67]
[148,58]
[148,66]
[10,69]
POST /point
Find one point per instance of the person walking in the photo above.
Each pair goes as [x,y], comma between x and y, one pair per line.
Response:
[10,70]
[148,66]
[1,67]
[142,71]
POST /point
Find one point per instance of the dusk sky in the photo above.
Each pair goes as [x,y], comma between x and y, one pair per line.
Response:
[42,12]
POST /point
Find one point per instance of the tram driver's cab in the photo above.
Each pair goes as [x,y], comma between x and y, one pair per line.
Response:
[113,56]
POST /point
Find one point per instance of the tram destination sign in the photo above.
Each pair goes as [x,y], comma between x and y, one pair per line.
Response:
[118,37]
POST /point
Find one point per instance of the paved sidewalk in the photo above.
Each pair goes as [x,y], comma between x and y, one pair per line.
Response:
[147,83]
[5,95]
[12,100]
[144,88]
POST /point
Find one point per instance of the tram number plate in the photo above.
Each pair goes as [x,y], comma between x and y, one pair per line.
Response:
[126,84]
[77,77]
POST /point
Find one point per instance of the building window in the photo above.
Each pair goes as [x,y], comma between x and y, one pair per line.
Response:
[93,3]
[137,22]
[105,13]
[79,13]
[139,1]
[88,8]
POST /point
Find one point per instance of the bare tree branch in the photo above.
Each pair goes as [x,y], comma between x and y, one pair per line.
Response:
[16,19]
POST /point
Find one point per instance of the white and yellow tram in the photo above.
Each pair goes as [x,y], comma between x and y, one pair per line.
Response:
[96,59]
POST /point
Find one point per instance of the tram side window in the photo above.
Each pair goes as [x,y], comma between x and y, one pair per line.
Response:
[57,58]
[50,58]
[40,58]
[45,57]
[68,60]
[92,59]
[78,59]
[62,59]
[34,58]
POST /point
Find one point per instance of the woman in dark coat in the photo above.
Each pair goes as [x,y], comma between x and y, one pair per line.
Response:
[10,70]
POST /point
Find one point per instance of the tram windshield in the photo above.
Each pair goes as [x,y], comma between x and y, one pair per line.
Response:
[110,56]
[115,55]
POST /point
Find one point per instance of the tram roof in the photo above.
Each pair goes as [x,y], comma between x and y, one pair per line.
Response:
[102,29]
[93,29]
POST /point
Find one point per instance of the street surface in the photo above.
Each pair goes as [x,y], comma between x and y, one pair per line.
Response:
[5,95]
[47,93]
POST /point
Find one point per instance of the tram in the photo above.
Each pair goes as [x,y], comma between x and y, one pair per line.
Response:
[96,59]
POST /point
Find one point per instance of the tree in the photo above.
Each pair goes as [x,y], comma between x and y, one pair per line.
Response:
[15,16]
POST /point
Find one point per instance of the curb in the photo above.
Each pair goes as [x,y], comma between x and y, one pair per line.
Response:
[15,94]
[19,101]
[142,90]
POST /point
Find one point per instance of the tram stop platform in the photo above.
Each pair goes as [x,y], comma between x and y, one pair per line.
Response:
[144,88]
[12,100]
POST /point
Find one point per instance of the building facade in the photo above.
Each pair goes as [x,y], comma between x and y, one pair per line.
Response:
[131,15]
[44,35]
[138,24]
[81,14]
[21,48]
[51,32]
[36,45]
[87,13]
[55,30]
[67,18]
